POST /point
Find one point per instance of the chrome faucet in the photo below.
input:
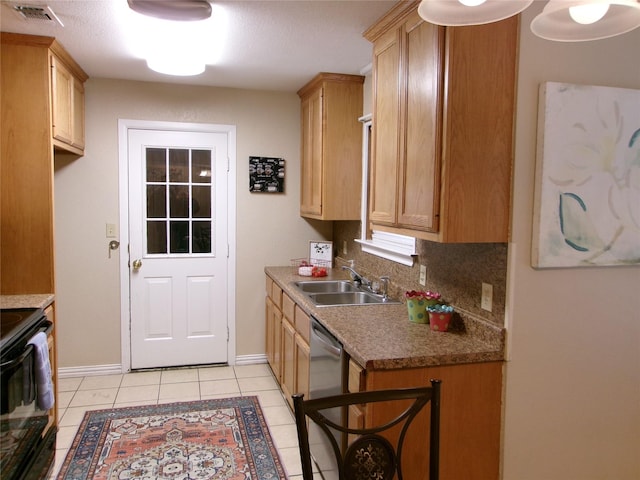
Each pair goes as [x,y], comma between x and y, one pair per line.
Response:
[362,282]
[357,279]
[385,288]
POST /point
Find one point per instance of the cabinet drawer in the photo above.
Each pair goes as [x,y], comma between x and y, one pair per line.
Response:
[356,377]
[302,323]
[288,307]
[269,286]
[276,295]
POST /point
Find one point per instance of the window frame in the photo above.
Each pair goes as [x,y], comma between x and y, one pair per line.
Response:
[391,246]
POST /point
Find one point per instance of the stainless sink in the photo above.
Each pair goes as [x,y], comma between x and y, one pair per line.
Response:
[344,298]
[331,293]
[326,286]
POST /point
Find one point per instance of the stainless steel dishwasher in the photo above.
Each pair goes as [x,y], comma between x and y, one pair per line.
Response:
[326,377]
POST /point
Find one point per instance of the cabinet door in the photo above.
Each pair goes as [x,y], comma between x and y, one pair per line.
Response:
[288,381]
[78,114]
[419,165]
[311,174]
[303,357]
[62,91]
[51,343]
[270,327]
[478,137]
[386,129]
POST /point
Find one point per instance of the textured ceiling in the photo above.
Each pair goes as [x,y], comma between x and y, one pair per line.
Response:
[270,45]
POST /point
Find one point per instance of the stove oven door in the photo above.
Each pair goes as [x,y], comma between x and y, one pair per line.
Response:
[27,440]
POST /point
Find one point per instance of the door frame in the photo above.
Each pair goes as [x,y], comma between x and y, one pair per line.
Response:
[124,125]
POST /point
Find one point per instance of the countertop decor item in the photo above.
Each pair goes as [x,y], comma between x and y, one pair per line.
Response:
[439,317]
[219,438]
[310,268]
[417,303]
[321,253]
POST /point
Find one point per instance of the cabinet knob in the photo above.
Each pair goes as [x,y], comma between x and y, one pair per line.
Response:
[137,264]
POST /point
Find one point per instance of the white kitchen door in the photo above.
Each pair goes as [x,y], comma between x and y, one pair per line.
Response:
[178,257]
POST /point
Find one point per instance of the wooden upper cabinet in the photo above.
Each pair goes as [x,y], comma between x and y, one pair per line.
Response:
[67,111]
[27,161]
[443,101]
[311,171]
[385,146]
[406,154]
[331,147]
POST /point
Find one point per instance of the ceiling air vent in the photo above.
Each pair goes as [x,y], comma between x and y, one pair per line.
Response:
[37,14]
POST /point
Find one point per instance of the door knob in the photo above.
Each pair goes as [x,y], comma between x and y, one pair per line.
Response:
[137,264]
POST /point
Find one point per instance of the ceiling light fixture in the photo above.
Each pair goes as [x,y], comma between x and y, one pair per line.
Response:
[174,41]
[561,20]
[578,21]
[176,10]
[469,12]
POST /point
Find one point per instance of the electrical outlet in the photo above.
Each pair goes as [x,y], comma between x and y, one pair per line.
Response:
[487,297]
[344,247]
[423,275]
[111,230]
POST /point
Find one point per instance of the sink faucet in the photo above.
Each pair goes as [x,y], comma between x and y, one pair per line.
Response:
[385,288]
[358,279]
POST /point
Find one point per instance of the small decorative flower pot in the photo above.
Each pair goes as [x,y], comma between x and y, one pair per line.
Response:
[439,322]
[439,317]
[417,304]
[417,308]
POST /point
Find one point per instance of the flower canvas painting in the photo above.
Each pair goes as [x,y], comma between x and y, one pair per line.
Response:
[587,196]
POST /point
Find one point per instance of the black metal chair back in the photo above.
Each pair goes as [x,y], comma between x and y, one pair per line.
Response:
[371,454]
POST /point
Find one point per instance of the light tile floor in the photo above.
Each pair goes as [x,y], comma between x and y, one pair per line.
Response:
[79,394]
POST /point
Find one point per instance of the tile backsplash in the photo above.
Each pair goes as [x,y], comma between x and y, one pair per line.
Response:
[457,271]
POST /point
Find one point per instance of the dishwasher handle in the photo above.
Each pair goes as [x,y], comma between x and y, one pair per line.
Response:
[325,340]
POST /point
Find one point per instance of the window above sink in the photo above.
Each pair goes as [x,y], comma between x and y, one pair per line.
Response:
[391,246]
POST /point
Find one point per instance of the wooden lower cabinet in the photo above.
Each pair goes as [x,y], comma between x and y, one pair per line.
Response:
[287,342]
[51,344]
[273,327]
[303,357]
[303,351]
[470,417]
[288,381]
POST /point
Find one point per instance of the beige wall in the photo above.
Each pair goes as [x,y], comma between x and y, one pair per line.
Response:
[573,376]
[269,228]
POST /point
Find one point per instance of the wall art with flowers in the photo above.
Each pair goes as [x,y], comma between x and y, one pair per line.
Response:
[587,195]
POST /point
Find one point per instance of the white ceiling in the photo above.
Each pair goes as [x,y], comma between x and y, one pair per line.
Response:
[271,45]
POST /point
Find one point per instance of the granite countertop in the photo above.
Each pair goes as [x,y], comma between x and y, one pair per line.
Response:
[32,300]
[381,337]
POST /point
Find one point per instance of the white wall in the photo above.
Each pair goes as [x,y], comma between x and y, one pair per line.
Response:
[573,375]
[269,228]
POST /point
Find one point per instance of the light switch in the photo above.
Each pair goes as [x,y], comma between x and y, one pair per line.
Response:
[111,230]
[423,275]
[486,302]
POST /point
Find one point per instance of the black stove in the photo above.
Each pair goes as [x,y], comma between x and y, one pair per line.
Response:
[28,437]
[15,322]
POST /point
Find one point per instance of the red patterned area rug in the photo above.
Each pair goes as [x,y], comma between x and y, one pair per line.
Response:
[221,439]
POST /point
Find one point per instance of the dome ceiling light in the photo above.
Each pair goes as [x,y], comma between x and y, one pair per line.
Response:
[176,10]
[454,13]
[561,20]
[578,21]
[177,37]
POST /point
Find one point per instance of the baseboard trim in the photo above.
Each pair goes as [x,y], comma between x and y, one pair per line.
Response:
[251,359]
[116,368]
[90,370]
